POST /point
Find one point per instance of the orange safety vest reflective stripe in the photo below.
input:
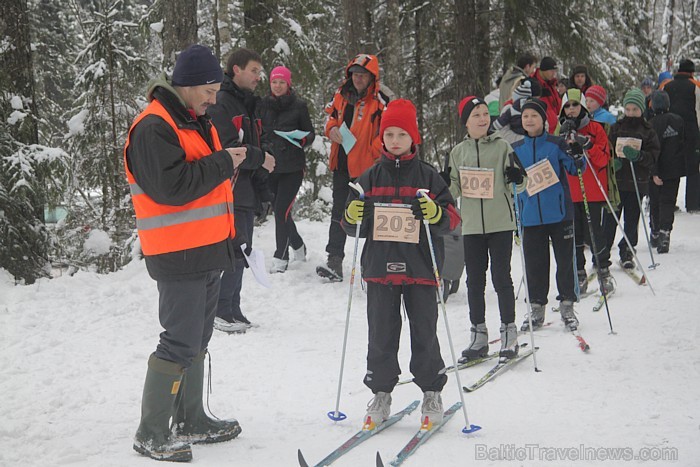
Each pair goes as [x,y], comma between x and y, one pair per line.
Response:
[204,221]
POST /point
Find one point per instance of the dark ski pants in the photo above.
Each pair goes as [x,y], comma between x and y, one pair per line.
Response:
[582,234]
[477,250]
[285,186]
[692,170]
[336,234]
[536,249]
[384,320]
[630,212]
[186,309]
[229,307]
[662,204]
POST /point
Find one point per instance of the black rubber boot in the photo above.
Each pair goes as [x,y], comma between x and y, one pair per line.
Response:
[192,424]
[154,437]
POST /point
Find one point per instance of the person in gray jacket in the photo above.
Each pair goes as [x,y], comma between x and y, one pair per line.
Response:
[523,68]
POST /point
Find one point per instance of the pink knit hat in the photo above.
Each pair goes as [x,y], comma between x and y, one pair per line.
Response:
[280,72]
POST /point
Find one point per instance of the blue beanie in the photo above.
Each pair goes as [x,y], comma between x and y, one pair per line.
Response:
[195,66]
[663,76]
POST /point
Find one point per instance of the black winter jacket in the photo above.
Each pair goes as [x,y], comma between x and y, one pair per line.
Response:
[235,118]
[645,166]
[158,163]
[396,181]
[286,113]
[670,130]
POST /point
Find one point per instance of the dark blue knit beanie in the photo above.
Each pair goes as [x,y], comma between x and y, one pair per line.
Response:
[195,66]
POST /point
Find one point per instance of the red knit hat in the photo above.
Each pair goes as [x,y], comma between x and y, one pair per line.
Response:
[467,105]
[598,94]
[401,113]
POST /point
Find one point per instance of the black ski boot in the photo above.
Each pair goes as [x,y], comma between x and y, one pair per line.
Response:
[332,270]
[664,241]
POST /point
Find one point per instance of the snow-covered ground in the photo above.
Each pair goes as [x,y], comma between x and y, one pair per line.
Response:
[74,352]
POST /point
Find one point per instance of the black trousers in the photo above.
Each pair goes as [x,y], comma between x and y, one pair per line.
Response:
[229,307]
[692,170]
[186,309]
[582,233]
[536,249]
[384,320]
[662,204]
[477,250]
[629,204]
[336,234]
[285,186]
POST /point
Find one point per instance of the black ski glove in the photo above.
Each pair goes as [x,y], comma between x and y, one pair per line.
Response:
[514,175]
[568,126]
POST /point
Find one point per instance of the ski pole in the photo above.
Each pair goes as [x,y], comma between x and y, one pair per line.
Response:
[469,428]
[521,248]
[641,213]
[619,225]
[337,415]
[520,285]
[593,245]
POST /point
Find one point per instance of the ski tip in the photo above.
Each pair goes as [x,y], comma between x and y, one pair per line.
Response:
[470,429]
[379,460]
[300,457]
[337,416]
[466,389]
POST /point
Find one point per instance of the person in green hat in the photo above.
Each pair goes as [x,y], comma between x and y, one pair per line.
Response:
[641,148]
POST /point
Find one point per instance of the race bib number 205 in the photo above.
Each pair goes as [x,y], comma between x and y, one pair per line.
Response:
[540,176]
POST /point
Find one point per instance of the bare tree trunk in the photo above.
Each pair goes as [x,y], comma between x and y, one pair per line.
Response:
[17,79]
[393,57]
[418,59]
[482,42]
[16,67]
[356,34]
[259,32]
[472,67]
[464,53]
[180,28]
[669,28]
[223,28]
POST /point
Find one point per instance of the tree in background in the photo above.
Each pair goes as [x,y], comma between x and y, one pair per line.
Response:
[110,64]
[25,166]
[91,60]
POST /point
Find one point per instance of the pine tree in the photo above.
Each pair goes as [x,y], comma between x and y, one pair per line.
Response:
[110,63]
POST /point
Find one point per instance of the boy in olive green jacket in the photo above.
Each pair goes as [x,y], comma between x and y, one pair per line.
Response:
[482,170]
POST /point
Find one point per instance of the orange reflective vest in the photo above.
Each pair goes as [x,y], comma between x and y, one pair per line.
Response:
[207,220]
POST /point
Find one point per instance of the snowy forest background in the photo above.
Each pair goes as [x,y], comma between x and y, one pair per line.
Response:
[73,75]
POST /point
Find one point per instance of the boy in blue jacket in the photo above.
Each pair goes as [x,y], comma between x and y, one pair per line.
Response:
[396,262]
[546,212]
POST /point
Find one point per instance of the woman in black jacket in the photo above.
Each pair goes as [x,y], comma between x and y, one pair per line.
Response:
[285,118]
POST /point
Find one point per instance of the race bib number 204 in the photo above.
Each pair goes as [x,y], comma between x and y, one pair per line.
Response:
[476,182]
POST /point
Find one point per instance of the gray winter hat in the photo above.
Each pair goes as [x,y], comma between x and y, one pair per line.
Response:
[660,101]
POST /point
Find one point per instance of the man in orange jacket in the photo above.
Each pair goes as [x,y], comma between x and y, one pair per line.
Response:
[357,106]
[179,178]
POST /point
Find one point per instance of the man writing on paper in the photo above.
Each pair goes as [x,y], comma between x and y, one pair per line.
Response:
[358,103]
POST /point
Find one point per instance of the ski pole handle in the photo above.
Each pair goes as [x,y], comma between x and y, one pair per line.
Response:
[358,188]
